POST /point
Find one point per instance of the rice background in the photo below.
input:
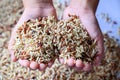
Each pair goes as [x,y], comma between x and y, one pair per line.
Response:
[10,11]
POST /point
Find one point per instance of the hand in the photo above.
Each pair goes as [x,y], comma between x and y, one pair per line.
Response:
[31,13]
[89,21]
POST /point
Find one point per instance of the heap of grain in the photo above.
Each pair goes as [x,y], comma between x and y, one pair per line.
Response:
[43,39]
[73,40]
[34,40]
[108,70]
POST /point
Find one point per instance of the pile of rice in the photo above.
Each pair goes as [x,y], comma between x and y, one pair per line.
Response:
[34,40]
[73,40]
[109,70]
[41,40]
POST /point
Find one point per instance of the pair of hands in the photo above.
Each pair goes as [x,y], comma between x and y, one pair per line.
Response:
[87,18]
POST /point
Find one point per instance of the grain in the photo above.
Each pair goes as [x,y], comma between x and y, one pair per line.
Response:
[109,70]
[74,41]
[34,40]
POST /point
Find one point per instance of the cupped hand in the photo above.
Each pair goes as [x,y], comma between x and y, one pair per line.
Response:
[30,14]
[89,21]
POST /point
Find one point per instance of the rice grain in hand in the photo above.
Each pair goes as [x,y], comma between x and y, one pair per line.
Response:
[34,40]
[73,40]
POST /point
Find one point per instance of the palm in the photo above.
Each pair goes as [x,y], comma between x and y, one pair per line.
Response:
[91,25]
[26,16]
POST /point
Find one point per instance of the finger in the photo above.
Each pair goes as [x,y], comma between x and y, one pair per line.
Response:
[100,46]
[71,62]
[13,58]
[11,50]
[87,67]
[79,65]
[50,63]
[24,63]
[34,65]
[98,59]
[61,60]
[42,66]
[100,54]
[10,44]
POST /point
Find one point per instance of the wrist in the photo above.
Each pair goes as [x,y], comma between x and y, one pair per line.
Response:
[39,12]
[84,5]
[29,4]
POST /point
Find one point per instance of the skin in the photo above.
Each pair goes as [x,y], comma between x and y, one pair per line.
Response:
[32,10]
[85,9]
